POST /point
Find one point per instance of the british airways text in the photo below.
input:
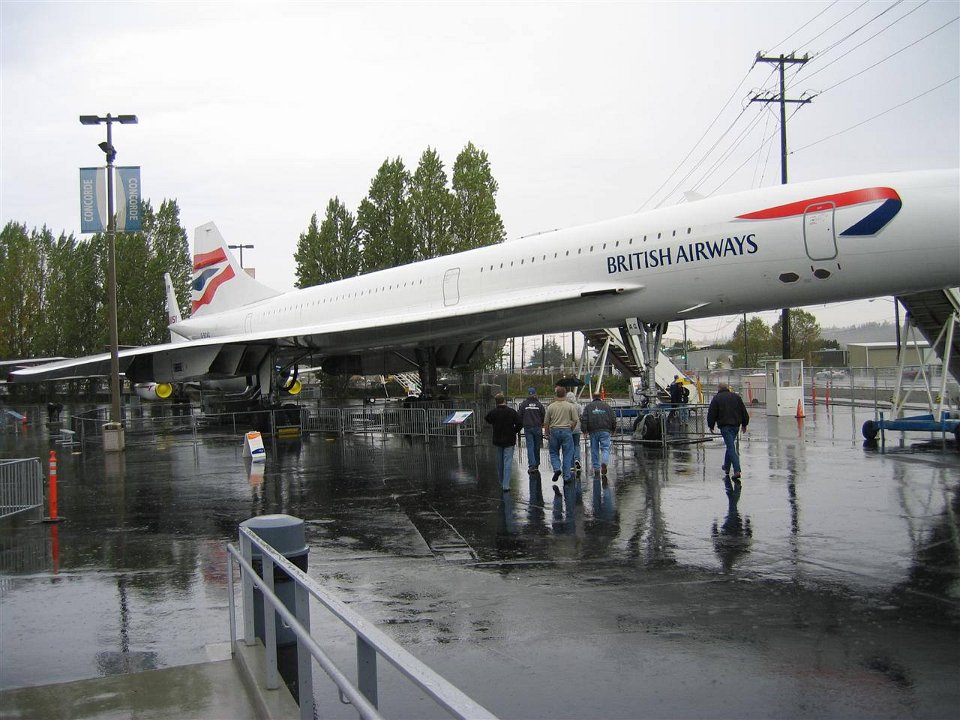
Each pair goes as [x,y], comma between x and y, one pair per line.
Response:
[691,252]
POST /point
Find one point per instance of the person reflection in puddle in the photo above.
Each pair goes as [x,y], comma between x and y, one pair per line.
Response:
[732,539]
[564,523]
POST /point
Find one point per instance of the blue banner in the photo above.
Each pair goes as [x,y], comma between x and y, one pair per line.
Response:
[128,199]
[93,199]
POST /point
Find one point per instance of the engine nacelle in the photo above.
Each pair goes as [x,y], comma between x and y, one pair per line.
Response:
[154,391]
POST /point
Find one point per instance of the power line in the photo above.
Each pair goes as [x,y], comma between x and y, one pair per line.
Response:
[697,143]
[854,32]
[905,102]
[824,32]
[805,24]
[882,30]
[906,47]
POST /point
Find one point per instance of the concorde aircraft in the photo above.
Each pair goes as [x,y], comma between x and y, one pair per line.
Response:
[786,246]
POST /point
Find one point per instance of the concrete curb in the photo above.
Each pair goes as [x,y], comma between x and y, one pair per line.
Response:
[277,704]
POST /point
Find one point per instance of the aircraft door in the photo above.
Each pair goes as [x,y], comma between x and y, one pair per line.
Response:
[819,235]
[451,287]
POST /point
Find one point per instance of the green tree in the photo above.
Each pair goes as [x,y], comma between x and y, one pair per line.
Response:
[475,221]
[550,354]
[20,292]
[804,334]
[760,342]
[59,337]
[330,252]
[383,219]
[137,296]
[170,254]
[431,208]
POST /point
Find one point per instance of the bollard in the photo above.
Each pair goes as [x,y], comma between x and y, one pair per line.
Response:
[52,490]
[53,484]
[285,534]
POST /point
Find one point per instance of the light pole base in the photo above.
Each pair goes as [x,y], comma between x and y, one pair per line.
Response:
[113,437]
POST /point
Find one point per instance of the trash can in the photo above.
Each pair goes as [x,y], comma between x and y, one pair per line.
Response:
[285,534]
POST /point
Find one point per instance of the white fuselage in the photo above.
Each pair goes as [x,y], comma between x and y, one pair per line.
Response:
[689,261]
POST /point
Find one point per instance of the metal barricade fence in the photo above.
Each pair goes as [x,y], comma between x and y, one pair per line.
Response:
[321,419]
[21,485]
[371,643]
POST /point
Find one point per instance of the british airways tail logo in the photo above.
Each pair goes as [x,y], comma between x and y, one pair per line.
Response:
[872,223]
[210,271]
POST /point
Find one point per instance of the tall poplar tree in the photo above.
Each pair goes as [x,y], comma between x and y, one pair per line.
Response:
[20,294]
[383,219]
[330,252]
[475,222]
[431,208]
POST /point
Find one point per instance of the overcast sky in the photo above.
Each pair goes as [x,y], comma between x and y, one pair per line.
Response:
[254,115]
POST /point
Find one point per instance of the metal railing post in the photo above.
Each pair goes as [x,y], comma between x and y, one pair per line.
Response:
[232,603]
[270,626]
[249,629]
[367,671]
[304,660]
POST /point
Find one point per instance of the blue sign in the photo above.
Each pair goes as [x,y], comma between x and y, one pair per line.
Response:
[128,199]
[93,199]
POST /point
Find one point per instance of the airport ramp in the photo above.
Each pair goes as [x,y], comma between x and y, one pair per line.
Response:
[931,311]
[624,352]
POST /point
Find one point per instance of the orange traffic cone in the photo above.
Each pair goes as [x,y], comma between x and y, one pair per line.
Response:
[800,414]
[603,393]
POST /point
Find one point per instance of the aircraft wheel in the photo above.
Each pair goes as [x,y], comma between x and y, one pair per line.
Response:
[647,428]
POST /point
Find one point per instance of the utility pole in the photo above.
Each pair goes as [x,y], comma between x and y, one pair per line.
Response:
[782,99]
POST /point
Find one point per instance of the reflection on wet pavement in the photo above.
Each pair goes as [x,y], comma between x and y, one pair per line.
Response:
[827,582]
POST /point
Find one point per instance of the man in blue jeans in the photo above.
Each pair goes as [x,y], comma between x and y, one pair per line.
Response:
[560,420]
[728,411]
[532,413]
[598,421]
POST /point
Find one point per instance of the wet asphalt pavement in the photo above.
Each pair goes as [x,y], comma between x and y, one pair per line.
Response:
[828,586]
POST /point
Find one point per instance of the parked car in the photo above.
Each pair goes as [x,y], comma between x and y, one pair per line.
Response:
[831,374]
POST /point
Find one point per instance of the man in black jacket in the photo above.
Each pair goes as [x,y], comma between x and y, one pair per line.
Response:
[728,411]
[598,421]
[531,413]
[506,424]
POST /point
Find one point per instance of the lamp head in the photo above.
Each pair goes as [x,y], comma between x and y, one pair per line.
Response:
[108,150]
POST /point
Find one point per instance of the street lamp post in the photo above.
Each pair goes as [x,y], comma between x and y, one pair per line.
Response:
[240,248]
[111,154]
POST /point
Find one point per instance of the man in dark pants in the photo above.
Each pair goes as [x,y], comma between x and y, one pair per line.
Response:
[728,411]
[532,413]
[506,424]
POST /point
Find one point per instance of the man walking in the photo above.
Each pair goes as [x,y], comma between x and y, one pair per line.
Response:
[532,413]
[728,411]
[506,424]
[559,422]
[599,421]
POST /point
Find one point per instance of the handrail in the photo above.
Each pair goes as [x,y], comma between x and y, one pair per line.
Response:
[369,638]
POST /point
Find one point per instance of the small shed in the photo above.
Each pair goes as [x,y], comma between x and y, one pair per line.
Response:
[884,354]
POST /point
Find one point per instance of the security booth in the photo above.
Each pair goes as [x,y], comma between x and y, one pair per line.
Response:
[784,387]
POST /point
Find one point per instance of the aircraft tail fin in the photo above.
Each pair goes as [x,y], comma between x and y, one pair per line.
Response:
[218,281]
[173,309]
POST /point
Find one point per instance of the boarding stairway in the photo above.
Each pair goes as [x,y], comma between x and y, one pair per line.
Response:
[623,351]
[410,382]
[932,313]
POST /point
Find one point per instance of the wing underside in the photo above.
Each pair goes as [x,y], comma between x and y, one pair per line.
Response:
[244,354]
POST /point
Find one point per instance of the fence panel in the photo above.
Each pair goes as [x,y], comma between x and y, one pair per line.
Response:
[21,485]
